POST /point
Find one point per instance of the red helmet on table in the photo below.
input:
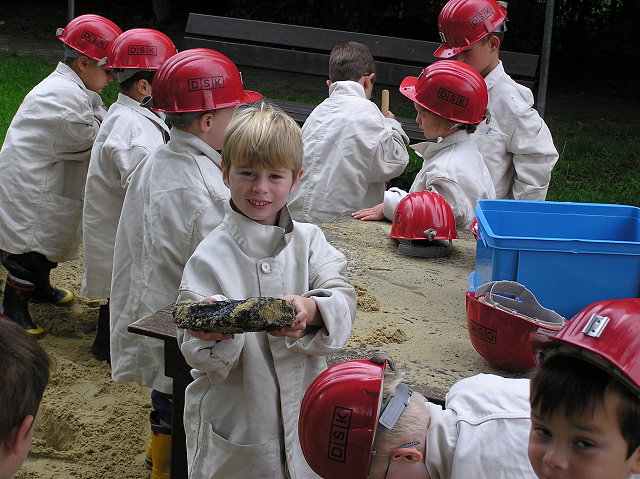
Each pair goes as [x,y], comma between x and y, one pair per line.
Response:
[423,215]
[499,326]
[91,35]
[604,333]
[199,79]
[450,89]
[462,23]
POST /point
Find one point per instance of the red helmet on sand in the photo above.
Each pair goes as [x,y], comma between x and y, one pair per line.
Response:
[604,333]
[423,215]
[140,49]
[450,89]
[91,35]
[499,326]
[199,80]
[462,23]
[339,416]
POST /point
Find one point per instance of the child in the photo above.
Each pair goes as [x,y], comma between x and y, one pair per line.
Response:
[23,378]
[43,165]
[175,197]
[516,144]
[129,134]
[452,165]
[581,422]
[350,149]
[241,410]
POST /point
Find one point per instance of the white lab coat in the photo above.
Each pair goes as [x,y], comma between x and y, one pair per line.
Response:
[175,198]
[128,134]
[516,145]
[454,169]
[350,151]
[43,166]
[483,432]
[241,410]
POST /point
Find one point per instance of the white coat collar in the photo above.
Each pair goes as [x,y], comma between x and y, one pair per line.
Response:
[129,102]
[67,71]
[441,441]
[255,239]
[184,141]
[494,75]
[427,148]
[347,87]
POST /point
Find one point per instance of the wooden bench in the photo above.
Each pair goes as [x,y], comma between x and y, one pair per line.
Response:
[305,50]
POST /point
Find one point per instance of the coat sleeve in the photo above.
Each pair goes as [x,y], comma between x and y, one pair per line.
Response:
[77,130]
[391,156]
[213,358]
[391,199]
[335,297]
[534,156]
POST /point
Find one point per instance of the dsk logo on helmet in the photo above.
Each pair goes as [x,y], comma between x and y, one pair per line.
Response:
[205,83]
[486,334]
[339,434]
[95,39]
[147,50]
[480,17]
[452,97]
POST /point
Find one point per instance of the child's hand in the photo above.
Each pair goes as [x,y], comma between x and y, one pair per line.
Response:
[389,115]
[375,213]
[307,314]
[209,336]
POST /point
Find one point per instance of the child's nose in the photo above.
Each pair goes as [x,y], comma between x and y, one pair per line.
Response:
[556,458]
[260,184]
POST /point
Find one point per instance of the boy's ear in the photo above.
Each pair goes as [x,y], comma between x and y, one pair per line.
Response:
[494,42]
[19,440]
[83,62]
[143,87]
[225,175]
[329,82]
[635,461]
[296,180]
[205,122]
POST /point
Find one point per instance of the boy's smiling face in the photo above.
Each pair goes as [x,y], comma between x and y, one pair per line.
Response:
[581,447]
[260,193]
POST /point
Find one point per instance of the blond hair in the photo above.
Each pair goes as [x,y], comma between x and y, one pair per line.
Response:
[414,420]
[263,135]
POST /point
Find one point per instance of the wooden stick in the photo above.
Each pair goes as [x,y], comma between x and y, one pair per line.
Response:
[384,103]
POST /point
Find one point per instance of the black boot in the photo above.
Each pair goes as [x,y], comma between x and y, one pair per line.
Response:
[100,349]
[15,302]
[45,293]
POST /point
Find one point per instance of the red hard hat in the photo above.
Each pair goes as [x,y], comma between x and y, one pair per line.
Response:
[450,89]
[338,418]
[462,23]
[604,333]
[499,327]
[199,79]
[91,35]
[140,49]
[423,215]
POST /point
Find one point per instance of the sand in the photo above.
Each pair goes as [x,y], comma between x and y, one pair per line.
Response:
[412,308]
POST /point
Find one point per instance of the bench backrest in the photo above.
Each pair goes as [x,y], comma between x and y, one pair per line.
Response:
[299,49]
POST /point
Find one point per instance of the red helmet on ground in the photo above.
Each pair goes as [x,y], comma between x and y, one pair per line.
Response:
[499,326]
[199,80]
[450,89]
[139,49]
[423,215]
[341,412]
[604,333]
[91,35]
[462,23]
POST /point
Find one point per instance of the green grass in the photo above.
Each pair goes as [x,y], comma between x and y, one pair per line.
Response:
[599,161]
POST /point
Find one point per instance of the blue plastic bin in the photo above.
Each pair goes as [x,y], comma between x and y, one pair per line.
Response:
[568,254]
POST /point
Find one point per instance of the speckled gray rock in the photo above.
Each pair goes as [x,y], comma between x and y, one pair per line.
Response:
[234,316]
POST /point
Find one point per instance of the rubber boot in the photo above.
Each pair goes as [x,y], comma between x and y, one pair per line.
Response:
[100,349]
[15,302]
[160,448]
[45,293]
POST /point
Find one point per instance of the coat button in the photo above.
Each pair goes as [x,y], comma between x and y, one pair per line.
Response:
[266,268]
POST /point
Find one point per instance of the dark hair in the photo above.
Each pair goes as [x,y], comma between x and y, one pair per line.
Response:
[140,75]
[24,374]
[574,387]
[350,61]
